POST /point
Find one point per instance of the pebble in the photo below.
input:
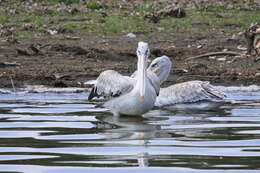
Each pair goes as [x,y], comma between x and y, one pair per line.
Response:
[257,74]
[222,59]
[234,37]
[241,33]
[171,47]
[52,32]
[212,57]
[240,47]
[160,29]
[225,50]
[185,70]
[199,46]
[131,35]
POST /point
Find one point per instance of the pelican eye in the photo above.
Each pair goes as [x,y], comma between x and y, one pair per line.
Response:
[154,65]
[146,52]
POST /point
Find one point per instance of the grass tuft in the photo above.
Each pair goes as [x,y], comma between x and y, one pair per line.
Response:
[93,5]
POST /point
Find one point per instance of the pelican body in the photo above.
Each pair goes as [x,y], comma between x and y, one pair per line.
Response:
[158,71]
[131,96]
[133,103]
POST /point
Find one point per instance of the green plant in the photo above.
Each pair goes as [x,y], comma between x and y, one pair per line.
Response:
[70,26]
[94,5]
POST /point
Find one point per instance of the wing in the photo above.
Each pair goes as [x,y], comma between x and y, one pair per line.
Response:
[111,84]
[154,80]
[188,92]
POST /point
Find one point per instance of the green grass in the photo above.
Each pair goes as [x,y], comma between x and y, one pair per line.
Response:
[70,26]
[5,17]
[143,9]
[243,18]
[117,23]
[94,5]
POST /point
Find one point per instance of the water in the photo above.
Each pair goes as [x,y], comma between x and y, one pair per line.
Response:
[51,132]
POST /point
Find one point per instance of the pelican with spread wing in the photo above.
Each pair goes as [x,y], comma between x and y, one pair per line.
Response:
[181,93]
[129,96]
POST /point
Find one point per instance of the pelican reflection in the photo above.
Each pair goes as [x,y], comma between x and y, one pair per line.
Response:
[132,130]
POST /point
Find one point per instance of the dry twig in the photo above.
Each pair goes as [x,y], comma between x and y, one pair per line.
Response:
[214,54]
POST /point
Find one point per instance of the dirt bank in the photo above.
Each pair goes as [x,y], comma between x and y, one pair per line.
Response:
[32,54]
[57,61]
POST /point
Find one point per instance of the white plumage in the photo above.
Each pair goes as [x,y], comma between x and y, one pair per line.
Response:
[186,92]
[111,83]
[131,96]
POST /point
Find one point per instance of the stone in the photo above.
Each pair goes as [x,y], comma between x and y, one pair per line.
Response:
[131,35]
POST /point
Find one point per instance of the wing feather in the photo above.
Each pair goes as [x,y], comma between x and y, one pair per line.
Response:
[188,92]
[111,84]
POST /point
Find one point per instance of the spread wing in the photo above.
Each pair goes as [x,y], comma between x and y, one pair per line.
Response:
[188,92]
[111,84]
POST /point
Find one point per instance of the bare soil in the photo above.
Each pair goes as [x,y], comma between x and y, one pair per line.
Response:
[63,61]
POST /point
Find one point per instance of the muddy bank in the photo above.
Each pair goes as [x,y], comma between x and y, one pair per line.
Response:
[65,43]
[58,61]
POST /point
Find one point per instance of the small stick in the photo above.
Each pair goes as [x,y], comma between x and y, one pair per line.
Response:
[12,82]
[213,54]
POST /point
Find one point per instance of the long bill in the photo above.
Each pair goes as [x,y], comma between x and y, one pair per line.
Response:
[142,75]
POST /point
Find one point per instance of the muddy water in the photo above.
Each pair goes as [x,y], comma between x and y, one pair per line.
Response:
[62,132]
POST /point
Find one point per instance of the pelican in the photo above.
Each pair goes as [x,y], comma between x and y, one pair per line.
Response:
[186,92]
[177,94]
[131,96]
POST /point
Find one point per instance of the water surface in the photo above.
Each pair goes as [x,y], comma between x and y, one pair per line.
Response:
[51,132]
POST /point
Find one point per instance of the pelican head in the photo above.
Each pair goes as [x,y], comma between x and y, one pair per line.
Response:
[161,66]
[143,53]
[143,49]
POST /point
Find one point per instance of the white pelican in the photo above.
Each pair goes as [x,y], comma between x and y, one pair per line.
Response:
[177,94]
[186,92]
[131,96]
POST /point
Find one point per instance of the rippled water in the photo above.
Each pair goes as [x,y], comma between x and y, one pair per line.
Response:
[63,132]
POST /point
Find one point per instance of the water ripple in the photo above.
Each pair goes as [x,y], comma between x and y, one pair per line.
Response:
[42,130]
